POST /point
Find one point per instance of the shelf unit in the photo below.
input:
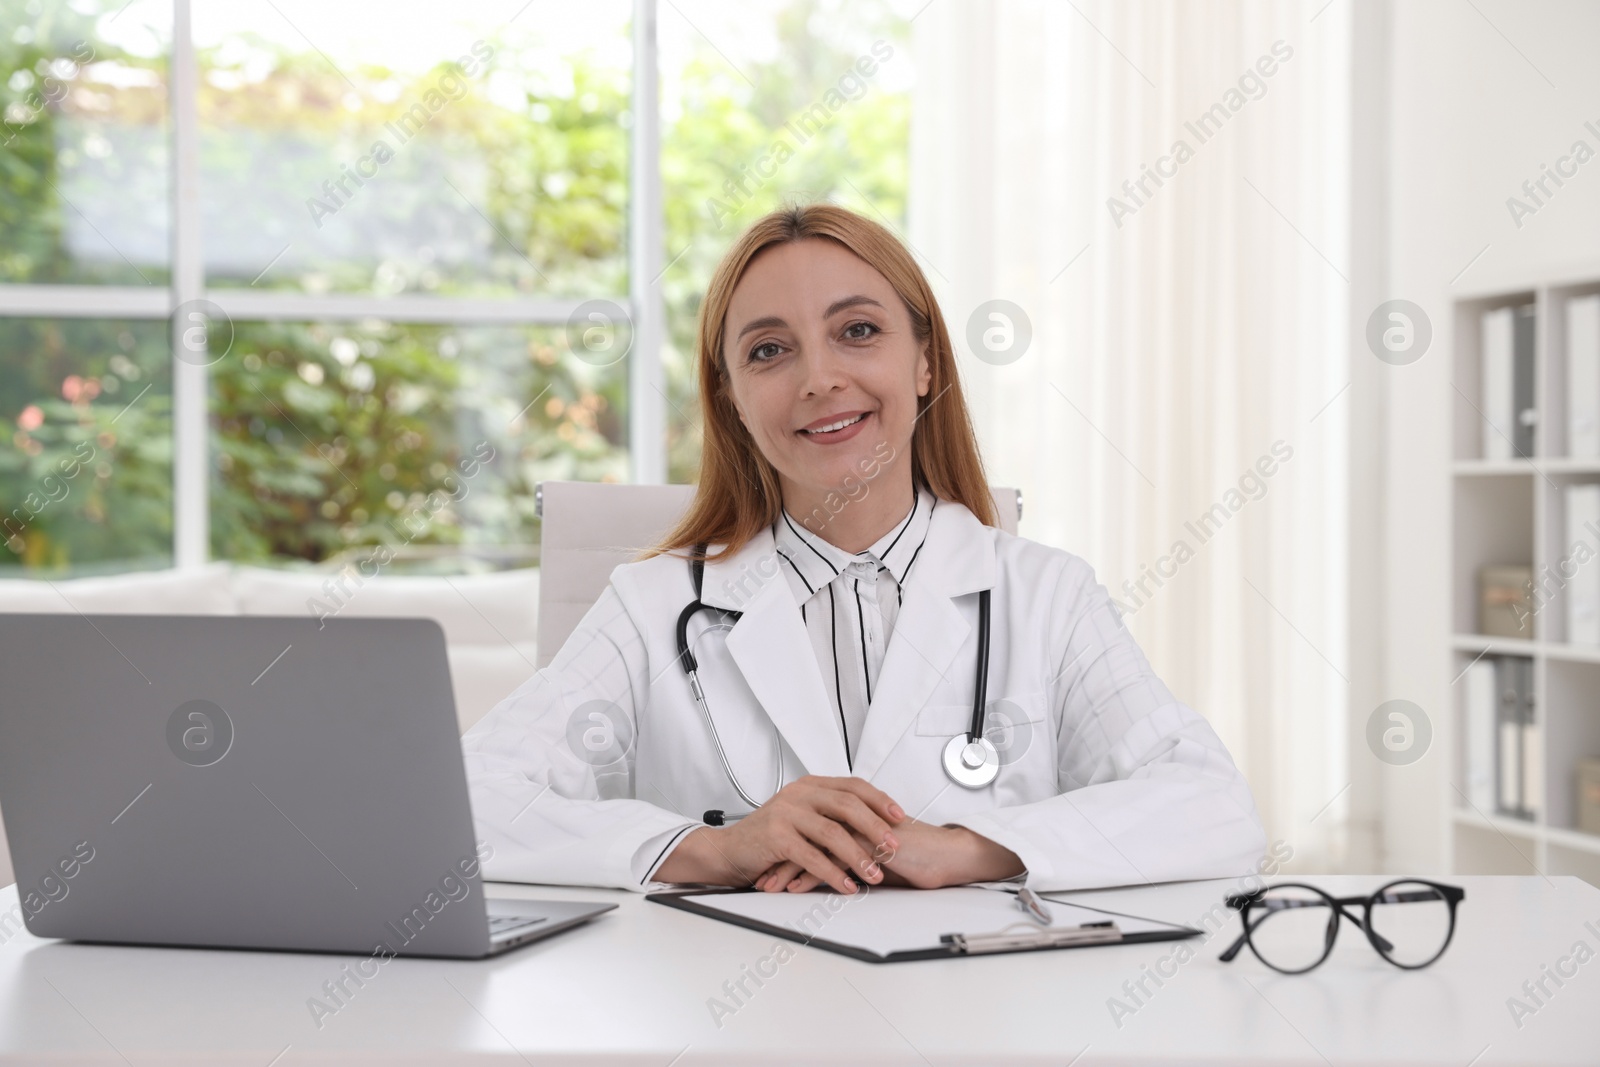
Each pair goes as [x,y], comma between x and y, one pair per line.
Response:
[1513,512]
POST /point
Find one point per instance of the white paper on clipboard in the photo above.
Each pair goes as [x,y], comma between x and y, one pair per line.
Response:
[889,919]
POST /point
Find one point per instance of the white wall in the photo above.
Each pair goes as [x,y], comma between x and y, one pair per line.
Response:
[1479,96]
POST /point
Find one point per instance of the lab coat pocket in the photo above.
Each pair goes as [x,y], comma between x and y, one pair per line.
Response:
[1014,723]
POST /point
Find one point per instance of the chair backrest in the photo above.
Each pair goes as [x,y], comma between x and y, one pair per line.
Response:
[590,527]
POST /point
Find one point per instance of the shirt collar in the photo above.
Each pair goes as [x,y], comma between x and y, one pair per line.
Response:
[817,562]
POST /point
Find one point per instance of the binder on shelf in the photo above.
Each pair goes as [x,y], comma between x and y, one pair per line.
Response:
[1523,405]
[1508,382]
[1510,768]
[1583,588]
[1481,695]
[1532,766]
[1517,782]
[1583,376]
[1497,392]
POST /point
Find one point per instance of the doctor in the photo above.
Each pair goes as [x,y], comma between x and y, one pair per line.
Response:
[857,598]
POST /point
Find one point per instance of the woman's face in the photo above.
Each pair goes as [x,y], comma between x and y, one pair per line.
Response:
[814,338]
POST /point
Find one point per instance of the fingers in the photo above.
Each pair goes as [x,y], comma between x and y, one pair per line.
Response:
[816,829]
[875,798]
[841,845]
[882,854]
[778,876]
[856,815]
[814,861]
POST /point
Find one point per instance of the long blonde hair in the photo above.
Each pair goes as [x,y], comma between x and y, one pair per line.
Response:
[739,492]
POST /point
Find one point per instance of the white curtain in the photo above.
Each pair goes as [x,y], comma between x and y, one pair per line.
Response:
[1178,338]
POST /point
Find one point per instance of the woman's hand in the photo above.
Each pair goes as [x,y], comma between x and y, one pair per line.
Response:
[823,826]
[928,857]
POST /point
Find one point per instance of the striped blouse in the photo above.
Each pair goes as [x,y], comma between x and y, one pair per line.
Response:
[850,603]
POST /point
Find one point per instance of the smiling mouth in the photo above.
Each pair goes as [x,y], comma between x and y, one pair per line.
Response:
[835,427]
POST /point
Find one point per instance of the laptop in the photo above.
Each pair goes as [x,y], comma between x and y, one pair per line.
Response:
[246,782]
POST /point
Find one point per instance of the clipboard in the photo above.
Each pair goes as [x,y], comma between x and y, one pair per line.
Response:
[895,925]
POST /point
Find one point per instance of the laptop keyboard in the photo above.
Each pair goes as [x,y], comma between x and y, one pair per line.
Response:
[501,923]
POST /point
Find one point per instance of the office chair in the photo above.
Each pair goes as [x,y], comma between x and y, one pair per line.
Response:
[589,528]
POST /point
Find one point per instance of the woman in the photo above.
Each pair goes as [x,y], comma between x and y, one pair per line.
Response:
[846,515]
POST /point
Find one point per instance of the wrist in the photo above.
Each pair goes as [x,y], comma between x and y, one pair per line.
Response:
[975,858]
[699,857]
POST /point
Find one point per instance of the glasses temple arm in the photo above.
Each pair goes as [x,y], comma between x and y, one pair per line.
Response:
[1233,950]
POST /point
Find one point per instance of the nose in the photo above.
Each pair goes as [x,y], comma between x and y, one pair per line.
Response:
[824,368]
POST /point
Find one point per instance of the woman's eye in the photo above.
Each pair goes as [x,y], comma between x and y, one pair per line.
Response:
[872,328]
[756,352]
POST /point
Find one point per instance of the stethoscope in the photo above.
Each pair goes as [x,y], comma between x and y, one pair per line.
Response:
[970,759]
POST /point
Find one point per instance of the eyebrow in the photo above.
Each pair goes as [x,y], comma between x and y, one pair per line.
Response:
[833,309]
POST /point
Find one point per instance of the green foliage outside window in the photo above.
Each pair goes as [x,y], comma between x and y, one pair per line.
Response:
[327,437]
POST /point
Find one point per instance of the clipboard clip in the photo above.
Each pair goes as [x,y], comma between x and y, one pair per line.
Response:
[1027,935]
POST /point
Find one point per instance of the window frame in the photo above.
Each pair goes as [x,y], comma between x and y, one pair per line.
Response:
[191,426]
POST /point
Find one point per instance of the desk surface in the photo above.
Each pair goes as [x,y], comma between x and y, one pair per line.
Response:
[634,987]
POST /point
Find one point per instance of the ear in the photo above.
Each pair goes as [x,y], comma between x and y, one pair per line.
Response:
[924,370]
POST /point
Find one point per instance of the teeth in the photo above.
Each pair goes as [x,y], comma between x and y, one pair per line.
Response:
[841,424]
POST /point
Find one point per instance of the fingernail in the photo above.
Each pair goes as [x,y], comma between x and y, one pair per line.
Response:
[891,841]
[896,811]
[872,870]
[849,886]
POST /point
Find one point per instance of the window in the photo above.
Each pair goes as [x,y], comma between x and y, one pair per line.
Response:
[86,475]
[764,103]
[85,132]
[328,436]
[292,269]
[456,154]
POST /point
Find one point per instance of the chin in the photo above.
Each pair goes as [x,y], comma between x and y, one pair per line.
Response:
[849,469]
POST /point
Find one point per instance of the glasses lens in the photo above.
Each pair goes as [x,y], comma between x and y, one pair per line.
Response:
[1414,918]
[1291,927]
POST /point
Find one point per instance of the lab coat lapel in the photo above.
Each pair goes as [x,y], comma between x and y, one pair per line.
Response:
[931,635]
[774,654]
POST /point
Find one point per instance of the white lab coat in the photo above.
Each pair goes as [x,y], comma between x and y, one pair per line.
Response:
[598,763]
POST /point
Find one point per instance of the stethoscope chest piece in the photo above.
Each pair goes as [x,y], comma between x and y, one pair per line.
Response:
[973,764]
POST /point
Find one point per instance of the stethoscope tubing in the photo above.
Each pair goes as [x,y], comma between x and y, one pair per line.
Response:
[691,668]
[980,688]
[973,775]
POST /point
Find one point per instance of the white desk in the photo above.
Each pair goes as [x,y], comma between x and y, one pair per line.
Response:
[632,988]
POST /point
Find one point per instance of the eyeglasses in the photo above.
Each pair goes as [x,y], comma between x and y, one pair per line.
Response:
[1291,926]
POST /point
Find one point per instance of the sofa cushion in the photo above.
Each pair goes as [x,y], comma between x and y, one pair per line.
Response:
[490,621]
[476,609]
[201,591]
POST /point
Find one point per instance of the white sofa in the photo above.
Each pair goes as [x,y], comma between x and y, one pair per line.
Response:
[490,621]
